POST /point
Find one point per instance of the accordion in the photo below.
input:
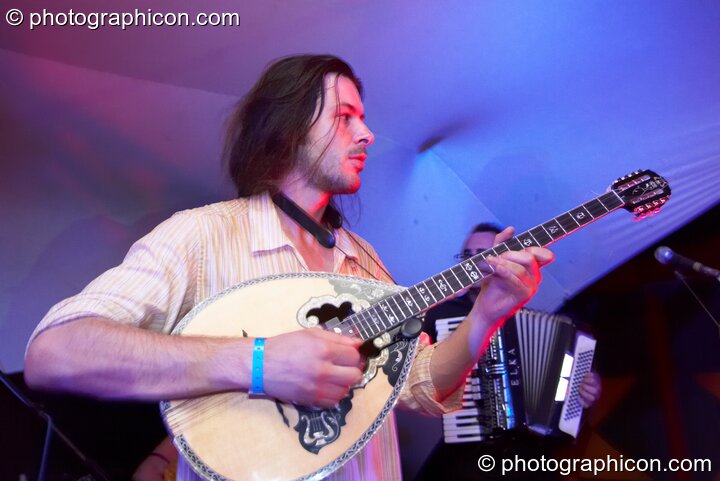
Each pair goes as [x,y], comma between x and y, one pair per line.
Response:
[529,377]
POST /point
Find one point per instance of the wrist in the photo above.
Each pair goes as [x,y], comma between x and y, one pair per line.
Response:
[480,319]
[232,365]
[482,327]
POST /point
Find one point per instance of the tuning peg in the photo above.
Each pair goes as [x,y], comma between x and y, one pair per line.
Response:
[642,212]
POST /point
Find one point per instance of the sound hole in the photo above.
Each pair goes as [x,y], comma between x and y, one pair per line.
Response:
[328,311]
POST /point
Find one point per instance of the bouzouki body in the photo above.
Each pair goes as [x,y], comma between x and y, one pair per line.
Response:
[235,436]
[229,435]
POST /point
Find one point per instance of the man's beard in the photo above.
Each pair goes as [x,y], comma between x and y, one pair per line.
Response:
[326,174]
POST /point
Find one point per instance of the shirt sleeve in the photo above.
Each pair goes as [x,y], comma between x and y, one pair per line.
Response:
[152,288]
[419,393]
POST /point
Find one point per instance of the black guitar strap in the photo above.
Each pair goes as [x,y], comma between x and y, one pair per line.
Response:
[323,235]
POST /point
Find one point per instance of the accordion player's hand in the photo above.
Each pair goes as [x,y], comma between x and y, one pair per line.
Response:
[590,389]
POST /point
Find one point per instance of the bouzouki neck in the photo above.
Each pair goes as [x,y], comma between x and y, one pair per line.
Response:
[642,192]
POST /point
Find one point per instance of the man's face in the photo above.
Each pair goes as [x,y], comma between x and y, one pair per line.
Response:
[478,242]
[334,152]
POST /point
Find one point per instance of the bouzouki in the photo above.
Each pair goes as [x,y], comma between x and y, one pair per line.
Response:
[235,436]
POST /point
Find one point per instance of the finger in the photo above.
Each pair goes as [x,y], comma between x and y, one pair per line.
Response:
[529,256]
[504,235]
[335,338]
[586,399]
[524,257]
[344,376]
[345,356]
[328,403]
[542,255]
[460,293]
[515,280]
[592,379]
[590,389]
[334,393]
[513,267]
[330,396]
[325,403]
[509,271]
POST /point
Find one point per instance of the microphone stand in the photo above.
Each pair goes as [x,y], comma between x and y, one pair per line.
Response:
[684,281]
[51,429]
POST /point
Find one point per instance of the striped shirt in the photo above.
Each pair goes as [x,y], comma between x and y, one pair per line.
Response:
[200,252]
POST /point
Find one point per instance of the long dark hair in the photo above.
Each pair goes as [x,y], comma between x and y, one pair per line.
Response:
[268,127]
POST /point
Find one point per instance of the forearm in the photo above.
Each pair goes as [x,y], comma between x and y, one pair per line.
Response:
[459,353]
[108,360]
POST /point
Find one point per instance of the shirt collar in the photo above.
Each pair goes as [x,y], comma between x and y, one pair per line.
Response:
[267,234]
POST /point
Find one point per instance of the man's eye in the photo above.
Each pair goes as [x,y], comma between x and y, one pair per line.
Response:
[345,117]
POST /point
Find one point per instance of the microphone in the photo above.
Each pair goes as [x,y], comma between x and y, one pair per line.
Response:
[668,257]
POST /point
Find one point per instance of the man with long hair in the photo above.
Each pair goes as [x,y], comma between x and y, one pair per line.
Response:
[300,132]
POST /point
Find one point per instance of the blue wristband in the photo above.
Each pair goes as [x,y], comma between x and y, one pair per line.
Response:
[257,366]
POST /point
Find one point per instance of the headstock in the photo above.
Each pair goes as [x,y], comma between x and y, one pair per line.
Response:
[643,192]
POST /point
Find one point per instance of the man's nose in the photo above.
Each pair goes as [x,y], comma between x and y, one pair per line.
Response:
[364,135]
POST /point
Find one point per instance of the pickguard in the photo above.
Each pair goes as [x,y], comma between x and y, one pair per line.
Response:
[317,428]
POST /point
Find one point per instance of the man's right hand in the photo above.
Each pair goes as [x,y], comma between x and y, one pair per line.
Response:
[311,367]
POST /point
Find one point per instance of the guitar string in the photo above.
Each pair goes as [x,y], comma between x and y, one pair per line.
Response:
[200,403]
[193,411]
[184,409]
[362,323]
[181,421]
[181,409]
[204,403]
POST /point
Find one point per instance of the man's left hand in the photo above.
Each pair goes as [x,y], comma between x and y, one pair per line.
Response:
[516,279]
